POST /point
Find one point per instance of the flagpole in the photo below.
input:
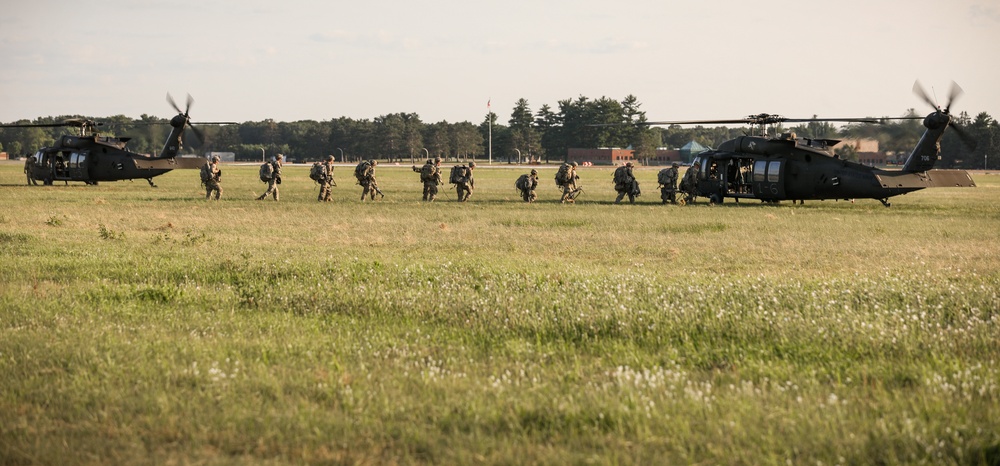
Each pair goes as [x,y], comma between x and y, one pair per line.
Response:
[489,116]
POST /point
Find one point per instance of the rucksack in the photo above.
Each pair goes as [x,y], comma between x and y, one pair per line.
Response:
[523,183]
[562,175]
[362,171]
[317,173]
[663,177]
[621,175]
[458,173]
[206,173]
[427,172]
[266,172]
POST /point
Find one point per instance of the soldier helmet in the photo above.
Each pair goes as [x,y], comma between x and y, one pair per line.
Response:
[329,158]
[628,164]
[472,164]
[437,160]
[280,156]
[574,164]
[534,172]
[374,162]
[215,159]
[675,165]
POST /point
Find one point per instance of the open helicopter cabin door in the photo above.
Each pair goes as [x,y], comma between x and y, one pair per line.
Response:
[769,179]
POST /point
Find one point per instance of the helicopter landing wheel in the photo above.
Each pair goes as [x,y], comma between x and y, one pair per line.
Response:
[715,199]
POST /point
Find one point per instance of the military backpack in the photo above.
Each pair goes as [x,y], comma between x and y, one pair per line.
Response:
[523,183]
[318,172]
[562,175]
[622,176]
[427,173]
[266,172]
[206,173]
[363,170]
[663,177]
[458,174]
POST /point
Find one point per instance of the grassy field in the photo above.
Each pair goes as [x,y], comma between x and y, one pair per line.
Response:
[142,325]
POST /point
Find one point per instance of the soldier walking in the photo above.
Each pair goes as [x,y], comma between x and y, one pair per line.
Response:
[689,185]
[625,183]
[668,183]
[464,182]
[326,181]
[526,185]
[566,179]
[28,163]
[430,176]
[365,173]
[211,176]
[271,176]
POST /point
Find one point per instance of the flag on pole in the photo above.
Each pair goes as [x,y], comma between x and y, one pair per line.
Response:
[488,102]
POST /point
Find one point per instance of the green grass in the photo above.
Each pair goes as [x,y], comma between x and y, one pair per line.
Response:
[142,325]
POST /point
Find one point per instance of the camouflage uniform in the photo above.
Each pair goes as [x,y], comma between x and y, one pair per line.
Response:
[326,182]
[689,185]
[625,184]
[528,194]
[367,181]
[668,191]
[432,179]
[569,188]
[28,162]
[213,179]
[466,184]
[272,184]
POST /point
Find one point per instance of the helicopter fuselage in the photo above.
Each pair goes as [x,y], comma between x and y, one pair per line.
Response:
[789,168]
[92,159]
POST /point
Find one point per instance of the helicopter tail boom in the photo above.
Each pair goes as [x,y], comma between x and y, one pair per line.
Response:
[169,163]
[927,179]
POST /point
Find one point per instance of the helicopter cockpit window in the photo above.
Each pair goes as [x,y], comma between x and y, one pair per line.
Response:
[758,171]
[77,159]
[773,171]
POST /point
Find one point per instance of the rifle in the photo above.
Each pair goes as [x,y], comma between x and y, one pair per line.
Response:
[377,191]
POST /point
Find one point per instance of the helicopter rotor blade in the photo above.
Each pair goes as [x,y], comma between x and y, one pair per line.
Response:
[964,136]
[190,100]
[956,92]
[198,135]
[920,92]
[170,100]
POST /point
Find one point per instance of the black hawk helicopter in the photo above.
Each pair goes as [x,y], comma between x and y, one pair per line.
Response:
[785,167]
[91,157]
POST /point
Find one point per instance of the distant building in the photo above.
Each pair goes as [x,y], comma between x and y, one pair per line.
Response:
[606,156]
[690,150]
[866,150]
[860,145]
[614,156]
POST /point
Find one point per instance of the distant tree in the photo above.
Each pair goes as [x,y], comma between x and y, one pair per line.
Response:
[523,135]
[437,139]
[466,140]
[548,125]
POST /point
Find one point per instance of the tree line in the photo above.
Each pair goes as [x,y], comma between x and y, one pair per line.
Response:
[542,135]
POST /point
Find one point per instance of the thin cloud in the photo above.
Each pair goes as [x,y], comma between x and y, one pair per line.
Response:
[380,40]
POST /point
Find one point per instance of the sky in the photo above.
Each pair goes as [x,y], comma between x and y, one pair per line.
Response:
[445,60]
